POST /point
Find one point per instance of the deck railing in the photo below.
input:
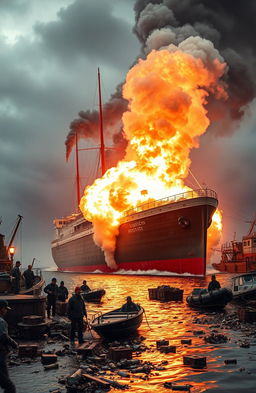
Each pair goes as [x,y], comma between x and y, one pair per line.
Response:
[171,199]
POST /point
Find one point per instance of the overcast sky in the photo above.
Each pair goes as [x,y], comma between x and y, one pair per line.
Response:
[49,54]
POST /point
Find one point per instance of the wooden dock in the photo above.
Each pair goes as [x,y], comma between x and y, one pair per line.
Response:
[22,305]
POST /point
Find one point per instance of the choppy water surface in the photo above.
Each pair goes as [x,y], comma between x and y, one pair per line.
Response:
[172,321]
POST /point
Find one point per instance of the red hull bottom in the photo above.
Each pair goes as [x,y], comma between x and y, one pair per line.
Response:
[194,266]
[236,267]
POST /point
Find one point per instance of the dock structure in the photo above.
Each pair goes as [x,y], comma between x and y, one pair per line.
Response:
[22,305]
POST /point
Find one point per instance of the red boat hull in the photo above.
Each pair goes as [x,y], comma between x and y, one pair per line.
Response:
[194,266]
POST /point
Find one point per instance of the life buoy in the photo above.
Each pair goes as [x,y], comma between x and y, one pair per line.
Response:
[184,222]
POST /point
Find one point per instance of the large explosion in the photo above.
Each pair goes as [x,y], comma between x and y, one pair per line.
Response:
[167,93]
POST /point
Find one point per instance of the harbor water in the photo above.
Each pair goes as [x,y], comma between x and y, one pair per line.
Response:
[172,321]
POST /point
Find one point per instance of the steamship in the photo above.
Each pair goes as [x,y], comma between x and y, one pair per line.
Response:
[164,236]
[168,236]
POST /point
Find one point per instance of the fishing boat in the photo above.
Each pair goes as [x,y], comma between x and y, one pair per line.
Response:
[239,257]
[163,236]
[244,287]
[216,299]
[117,323]
[94,296]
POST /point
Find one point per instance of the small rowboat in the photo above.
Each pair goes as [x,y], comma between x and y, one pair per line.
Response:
[202,298]
[117,323]
[93,296]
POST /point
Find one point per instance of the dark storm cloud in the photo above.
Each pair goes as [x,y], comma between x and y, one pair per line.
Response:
[90,29]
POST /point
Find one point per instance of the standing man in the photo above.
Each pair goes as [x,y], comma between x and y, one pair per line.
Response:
[29,277]
[16,274]
[62,292]
[213,284]
[76,312]
[52,293]
[5,342]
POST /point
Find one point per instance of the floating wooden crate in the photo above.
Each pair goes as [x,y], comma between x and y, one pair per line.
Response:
[230,361]
[165,293]
[186,341]
[161,343]
[168,349]
[195,361]
[118,353]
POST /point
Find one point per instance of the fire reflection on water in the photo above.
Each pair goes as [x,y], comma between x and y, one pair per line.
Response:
[172,321]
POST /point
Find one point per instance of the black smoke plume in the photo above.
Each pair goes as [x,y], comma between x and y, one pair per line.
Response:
[228,24]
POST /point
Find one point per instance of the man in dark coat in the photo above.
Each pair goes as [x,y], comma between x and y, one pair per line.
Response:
[29,277]
[52,293]
[16,274]
[84,287]
[76,312]
[62,292]
[214,284]
[129,305]
[5,342]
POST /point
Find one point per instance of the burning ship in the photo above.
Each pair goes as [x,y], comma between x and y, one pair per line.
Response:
[166,235]
[140,215]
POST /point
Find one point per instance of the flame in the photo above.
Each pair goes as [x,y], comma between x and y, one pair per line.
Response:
[214,233]
[166,92]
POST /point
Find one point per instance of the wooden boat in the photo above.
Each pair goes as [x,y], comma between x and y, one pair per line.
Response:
[93,296]
[202,298]
[244,287]
[6,286]
[117,323]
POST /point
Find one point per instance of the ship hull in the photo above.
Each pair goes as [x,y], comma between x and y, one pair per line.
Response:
[241,266]
[168,239]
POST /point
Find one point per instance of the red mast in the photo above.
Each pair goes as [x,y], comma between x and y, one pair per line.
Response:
[102,147]
[77,175]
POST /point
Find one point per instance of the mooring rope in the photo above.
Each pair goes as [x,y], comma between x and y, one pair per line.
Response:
[146,319]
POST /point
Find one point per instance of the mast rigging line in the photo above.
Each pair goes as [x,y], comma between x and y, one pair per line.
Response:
[197,182]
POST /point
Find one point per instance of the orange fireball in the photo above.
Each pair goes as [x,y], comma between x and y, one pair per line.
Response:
[167,93]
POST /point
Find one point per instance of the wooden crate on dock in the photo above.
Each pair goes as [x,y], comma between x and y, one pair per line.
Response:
[118,353]
[247,315]
[28,350]
[61,308]
[49,358]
